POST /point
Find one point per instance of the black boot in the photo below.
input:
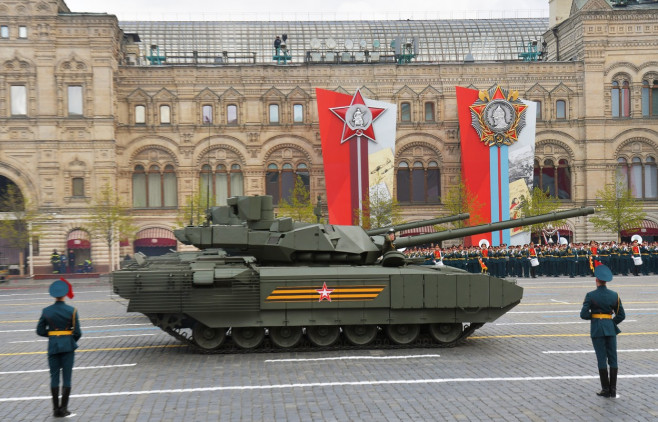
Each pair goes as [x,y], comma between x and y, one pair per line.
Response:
[66,391]
[605,383]
[613,382]
[55,393]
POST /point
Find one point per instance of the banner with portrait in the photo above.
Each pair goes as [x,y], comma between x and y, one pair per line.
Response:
[497,135]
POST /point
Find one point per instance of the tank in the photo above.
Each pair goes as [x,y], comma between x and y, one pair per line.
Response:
[264,283]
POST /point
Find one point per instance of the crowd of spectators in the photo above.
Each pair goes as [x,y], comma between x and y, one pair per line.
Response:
[552,260]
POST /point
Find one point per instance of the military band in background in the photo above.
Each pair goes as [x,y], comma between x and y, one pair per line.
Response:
[548,260]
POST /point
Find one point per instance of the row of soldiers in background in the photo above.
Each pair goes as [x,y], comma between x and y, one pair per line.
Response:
[63,264]
[573,260]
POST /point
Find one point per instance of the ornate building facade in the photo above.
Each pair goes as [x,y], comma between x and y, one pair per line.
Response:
[162,110]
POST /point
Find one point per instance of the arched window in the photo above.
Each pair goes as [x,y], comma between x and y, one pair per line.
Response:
[236,181]
[272,182]
[553,179]
[287,181]
[538,110]
[140,114]
[419,184]
[622,172]
[621,99]
[165,114]
[139,187]
[563,181]
[649,98]
[298,113]
[405,112]
[650,178]
[170,186]
[547,183]
[304,175]
[433,182]
[155,188]
[404,181]
[636,177]
[206,114]
[560,109]
[429,112]
[280,183]
[225,183]
[231,114]
[639,176]
[274,113]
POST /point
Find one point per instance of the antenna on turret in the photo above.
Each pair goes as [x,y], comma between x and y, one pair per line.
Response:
[318,209]
[208,120]
[192,209]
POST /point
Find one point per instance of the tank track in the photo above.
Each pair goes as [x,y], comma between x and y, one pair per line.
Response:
[381,342]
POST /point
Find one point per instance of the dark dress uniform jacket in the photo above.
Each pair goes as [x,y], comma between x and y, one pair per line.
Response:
[59,317]
[603,301]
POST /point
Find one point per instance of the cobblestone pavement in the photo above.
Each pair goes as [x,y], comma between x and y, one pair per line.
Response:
[533,364]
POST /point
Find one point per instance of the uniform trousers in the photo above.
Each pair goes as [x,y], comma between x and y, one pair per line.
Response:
[606,351]
[63,362]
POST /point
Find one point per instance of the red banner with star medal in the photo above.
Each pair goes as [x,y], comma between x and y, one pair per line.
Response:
[358,144]
[497,132]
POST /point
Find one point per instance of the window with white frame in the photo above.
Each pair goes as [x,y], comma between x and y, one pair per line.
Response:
[140,114]
[165,114]
[18,95]
[75,100]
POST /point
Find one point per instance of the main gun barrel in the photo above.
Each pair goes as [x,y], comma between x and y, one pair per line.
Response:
[406,242]
[419,223]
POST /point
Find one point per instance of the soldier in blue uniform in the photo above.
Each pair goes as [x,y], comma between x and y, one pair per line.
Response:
[599,306]
[60,323]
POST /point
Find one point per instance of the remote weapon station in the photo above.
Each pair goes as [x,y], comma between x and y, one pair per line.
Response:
[260,281]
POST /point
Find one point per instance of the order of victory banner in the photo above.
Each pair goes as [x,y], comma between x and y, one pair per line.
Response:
[497,131]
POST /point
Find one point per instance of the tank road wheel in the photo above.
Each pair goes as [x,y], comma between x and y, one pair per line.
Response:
[323,335]
[360,335]
[446,333]
[403,333]
[248,337]
[206,337]
[285,336]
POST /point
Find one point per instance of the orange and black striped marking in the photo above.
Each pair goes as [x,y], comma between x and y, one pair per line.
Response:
[315,294]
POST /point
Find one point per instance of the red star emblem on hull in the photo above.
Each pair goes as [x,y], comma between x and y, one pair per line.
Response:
[324,293]
[351,118]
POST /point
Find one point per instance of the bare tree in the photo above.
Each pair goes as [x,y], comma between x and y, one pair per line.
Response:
[18,224]
[617,210]
[540,202]
[459,199]
[110,220]
[299,207]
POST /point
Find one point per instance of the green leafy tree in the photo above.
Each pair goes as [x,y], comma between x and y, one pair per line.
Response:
[379,210]
[19,223]
[110,219]
[539,202]
[194,210]
[460,199]
[617,210]
[299,207]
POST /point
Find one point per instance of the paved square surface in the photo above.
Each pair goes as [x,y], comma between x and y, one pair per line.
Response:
[536,363]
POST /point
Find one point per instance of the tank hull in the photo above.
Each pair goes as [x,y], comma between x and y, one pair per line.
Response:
[231,293]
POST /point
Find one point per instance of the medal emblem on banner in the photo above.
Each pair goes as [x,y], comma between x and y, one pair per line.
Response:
[498,116]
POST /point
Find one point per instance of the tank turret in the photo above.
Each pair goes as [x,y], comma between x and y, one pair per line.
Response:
[247,226]
[417,224]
